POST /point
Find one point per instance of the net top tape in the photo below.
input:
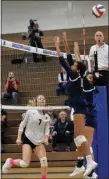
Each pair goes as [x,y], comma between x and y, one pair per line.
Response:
[45,108]
[22,47]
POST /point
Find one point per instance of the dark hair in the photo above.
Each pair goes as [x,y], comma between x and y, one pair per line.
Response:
[81,67]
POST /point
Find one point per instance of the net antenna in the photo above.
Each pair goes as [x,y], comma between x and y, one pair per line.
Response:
[84,37]
[84,44]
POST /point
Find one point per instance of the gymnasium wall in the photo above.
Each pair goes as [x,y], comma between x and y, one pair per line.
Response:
[50,14]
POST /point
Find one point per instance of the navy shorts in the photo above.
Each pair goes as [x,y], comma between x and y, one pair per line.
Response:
[79,105]
[91,119]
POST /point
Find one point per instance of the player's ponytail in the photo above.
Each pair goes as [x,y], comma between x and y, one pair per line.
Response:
[81,67]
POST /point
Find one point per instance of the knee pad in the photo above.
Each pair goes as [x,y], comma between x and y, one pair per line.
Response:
[23,164]
[91,150]
[43,162]
[79,140]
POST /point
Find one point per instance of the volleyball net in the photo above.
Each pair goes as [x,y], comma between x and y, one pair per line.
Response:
[34,78]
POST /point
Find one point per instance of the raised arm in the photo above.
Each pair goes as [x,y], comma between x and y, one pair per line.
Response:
[72,74]
[67,49]
[76,51]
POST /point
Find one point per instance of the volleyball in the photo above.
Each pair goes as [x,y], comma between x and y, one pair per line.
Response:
[98,11]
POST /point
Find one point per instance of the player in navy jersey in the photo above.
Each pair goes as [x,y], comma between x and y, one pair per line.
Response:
[78,102]
[91,122]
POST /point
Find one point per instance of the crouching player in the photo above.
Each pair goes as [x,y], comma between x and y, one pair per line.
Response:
[36,124]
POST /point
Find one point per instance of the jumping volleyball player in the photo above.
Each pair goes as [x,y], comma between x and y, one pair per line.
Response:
[35,136]
[78,102]
[91,122]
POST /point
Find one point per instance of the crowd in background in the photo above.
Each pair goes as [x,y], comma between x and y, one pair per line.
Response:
[61,126]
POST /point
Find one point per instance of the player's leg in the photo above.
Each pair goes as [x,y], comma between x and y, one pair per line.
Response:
[82,143]
[79,120]
[41,153]
[89,132]
[24,162]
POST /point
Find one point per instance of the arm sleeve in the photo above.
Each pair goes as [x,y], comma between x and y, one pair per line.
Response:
[47,129]
[70,60]
[72,74]
[71,127]
[23,124]
[56,126]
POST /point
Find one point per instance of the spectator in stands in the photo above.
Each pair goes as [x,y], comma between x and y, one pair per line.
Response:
[102,52]
[11,89]
[63,131]
[35,36]
[62,82]
[3,126]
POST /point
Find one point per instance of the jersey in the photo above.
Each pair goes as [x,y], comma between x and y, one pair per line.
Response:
[88,91]
[74,86]
[35,125]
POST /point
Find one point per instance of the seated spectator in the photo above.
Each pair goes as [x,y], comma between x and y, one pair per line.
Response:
[11,89]
[3,126]
[62,82]
[63,131]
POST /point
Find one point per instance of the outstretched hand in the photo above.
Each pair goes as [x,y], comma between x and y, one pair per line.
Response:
[56,40]
[76,46]
[64,35]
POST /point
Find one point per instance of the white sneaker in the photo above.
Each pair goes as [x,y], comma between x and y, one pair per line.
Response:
[94,176]
[90,167]
[78,171]
[6,166]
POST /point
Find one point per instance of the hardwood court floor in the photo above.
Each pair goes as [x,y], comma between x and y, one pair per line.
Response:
[53,172]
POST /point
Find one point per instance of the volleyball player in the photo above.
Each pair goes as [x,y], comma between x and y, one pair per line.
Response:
[91,122]
[36,135]
[78,103]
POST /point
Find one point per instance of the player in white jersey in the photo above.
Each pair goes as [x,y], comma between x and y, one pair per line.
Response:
[36,124]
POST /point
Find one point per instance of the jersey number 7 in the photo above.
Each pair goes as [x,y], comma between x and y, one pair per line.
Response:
[40,120]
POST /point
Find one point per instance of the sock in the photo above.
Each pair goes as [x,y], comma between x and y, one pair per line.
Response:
[89,159]
[11,161]
[90,175]
[43,176]
[80,162]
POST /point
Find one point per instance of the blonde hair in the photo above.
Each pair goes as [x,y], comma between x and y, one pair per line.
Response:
[31,102]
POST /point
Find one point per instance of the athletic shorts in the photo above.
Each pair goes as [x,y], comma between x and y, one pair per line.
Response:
[91,119]
[79,105]
[27,141]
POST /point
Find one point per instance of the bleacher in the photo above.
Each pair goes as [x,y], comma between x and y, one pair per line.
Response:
[40,78]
